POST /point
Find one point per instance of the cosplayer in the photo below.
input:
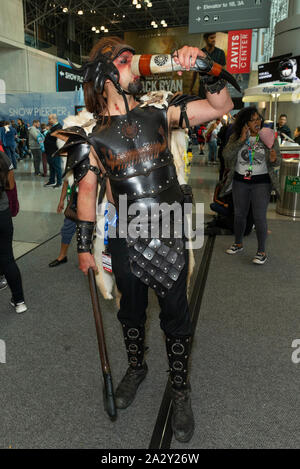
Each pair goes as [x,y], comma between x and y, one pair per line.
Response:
[128,151]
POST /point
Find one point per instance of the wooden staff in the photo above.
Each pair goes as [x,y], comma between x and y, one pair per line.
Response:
[108,392]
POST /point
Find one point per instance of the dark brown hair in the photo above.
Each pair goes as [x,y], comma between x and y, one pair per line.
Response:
[96,102]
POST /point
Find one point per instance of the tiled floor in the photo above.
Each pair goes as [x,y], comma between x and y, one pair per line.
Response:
[38,220]
[21,248]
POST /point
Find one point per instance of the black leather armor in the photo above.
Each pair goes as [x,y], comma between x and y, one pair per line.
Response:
[135,154]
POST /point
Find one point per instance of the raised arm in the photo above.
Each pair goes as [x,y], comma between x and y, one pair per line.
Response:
[215,105]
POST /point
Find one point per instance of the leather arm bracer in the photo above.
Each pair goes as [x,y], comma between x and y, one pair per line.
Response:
[85,233]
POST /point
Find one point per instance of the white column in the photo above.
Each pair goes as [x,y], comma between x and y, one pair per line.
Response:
[294,7]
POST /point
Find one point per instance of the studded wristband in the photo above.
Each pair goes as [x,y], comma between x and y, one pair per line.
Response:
[213,84]
[85,231]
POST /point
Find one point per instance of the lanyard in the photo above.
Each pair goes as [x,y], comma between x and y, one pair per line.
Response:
[251,151]
[108,220]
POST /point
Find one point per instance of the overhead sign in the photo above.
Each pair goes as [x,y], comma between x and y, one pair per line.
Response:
[239,51]
[287,70]
[67,79]
[213,15]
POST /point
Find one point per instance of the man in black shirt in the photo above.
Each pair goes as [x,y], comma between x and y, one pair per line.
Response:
[216,54]
[282,127]
[50,148]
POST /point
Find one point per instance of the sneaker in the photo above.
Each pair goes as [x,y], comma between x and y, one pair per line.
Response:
[3,282]
[56,186]
[50,184]
[260,258]
[19,307]
[234,248]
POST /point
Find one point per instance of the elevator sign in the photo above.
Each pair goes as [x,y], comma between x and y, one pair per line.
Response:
[213,15]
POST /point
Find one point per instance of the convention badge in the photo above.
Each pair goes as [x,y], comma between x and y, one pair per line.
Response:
[248,174]
[106,262]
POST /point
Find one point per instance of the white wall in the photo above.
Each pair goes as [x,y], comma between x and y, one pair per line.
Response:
[24,69]
[28,70]
[11,21]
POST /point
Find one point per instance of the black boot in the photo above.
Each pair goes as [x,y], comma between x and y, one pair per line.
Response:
[182,415]
[136,373]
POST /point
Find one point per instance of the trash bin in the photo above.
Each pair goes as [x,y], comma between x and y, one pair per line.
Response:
[289,203]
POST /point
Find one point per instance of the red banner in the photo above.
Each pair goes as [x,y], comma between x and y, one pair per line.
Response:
[239,51]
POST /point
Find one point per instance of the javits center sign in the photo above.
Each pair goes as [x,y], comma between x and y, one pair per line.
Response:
[67,79]
[213,15]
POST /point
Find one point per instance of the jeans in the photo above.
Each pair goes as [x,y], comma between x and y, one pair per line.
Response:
[174,316]
[259,195]
[37,157]
[8,266]
[67,231]
[55,169]
[212,150]
[11,153]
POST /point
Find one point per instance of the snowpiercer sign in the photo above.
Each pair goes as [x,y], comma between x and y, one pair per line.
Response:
[239,51]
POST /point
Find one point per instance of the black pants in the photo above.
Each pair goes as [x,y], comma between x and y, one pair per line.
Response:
[174,316]
[8,266]
[258,195]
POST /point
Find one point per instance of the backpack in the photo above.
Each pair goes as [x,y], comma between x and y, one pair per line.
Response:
[200,132]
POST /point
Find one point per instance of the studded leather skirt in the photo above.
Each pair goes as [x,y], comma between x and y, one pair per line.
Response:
[157,262]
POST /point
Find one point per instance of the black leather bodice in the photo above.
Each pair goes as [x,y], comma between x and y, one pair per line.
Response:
[137,158]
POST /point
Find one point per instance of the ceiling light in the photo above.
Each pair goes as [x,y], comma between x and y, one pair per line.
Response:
[106,30]
[162,22]
[155,26]
[123,16]
[134,2]
[152,23]
[97,31]
[102,28]
[149,4]
[65,10]
[80,12]
[138,5]
[165,25]
[94,28]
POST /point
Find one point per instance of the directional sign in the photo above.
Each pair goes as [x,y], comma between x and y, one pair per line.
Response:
[67,78]
[213,15]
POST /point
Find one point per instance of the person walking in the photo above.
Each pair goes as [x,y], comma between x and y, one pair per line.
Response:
[50,148]
[201,129]
[9,137]
[211,138]
[252,175]
[23,139]
[44,131]
[68,229]
[35,138]
[9,271]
